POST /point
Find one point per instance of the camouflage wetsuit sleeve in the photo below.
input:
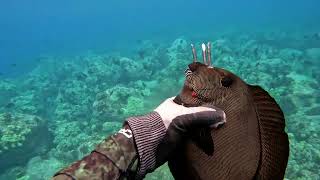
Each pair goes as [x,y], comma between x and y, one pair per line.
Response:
[114,158]
[124,155]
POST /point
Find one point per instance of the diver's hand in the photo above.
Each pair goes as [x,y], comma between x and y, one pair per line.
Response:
[169,110]
[185,123]
[157,134]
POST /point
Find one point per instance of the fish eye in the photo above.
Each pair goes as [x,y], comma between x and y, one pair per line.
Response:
[226,81]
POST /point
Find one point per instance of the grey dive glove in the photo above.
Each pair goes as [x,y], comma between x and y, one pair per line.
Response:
[158,134]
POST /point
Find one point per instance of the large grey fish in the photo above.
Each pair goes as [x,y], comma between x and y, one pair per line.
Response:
[252,144]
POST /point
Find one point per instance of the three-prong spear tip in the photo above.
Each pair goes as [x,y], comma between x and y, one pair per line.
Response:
[194,53]
[204,54]
[209,53]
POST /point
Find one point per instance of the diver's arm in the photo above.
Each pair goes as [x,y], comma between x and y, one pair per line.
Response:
[117,156]
[114,158]
[144,143]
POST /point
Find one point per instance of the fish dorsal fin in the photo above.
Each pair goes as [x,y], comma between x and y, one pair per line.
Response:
[274,139]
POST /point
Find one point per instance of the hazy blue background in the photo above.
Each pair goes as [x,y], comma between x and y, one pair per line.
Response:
[29,29]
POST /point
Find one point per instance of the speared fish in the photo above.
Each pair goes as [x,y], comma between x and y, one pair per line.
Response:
[252,144]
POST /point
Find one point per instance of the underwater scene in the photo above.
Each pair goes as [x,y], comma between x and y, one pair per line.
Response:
[71,72]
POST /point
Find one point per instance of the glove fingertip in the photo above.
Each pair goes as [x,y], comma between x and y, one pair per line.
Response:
[217,125]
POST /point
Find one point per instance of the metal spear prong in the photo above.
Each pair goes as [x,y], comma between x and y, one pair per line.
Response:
[209,53]
[204,54]
[194,53]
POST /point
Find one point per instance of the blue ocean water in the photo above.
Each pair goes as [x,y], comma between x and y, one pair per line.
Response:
[57,56]
[33,28]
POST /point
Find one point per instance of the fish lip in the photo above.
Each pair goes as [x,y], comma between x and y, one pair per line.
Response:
[187,88]
[178,100]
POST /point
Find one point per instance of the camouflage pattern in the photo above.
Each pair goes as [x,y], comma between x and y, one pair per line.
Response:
[114,158]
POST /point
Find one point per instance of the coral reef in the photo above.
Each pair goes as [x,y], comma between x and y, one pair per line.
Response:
[7,91]
[46,166]
[86,98]
[117,101]
[21,137]
[313,53]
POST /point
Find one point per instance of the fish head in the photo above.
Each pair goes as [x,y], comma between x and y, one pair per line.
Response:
[209,85]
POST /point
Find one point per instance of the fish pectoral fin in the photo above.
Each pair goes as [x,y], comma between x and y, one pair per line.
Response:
[203,140]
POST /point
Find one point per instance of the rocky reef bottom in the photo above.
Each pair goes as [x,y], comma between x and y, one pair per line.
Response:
[60,110]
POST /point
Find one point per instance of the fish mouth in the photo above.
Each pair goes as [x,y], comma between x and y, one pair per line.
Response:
[185,97]
[179,101]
